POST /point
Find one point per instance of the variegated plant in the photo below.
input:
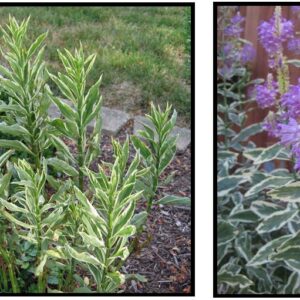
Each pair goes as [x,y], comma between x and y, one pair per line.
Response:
[8,269]
[46,233]
[106,223]
[24,81]
[34,218]
[157,146]
[83,108]
[258,212]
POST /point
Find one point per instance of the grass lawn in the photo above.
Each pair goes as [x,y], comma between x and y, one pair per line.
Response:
[141,51]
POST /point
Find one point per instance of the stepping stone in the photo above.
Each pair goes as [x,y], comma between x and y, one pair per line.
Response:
[184,134]
[113,120]
[184,138]
[53,111]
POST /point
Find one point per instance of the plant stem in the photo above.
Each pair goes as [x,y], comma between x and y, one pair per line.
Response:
[33,140]
[155,177]
[80,161]
[73,243]
[12,277]
[39,242]
[41,283]
[4,281]
[293,170]
[107,243]
[71,272]
[154,189]
[37,157]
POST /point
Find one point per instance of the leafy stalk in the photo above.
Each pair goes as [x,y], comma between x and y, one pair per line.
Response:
[106,224]
[82,109]
[157,146]
[25,83]
[34,218]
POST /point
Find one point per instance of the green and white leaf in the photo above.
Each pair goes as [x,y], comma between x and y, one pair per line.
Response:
[264,209]
[174,200]
[226,232]
[226,184]
[287,193]
[17,145]
[268,183]
[263,254]
[276,221]
[293,284]
[243,216]
[269,154]
[82,256]
[288,253]
[245,133]
[62,166]
[234,280]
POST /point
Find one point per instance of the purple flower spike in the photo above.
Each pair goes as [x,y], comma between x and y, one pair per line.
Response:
[287,30]
[297,163]
[228,47]
[291,101]
[294,45]
[237,18]
[234,29]
[226,72]
[272,127]
[296,153]
[247,54]
[290,136]
[270,39]
[290,133]
[266,94]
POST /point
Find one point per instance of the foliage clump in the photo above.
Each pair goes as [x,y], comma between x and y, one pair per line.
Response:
[258,206]
[57,216]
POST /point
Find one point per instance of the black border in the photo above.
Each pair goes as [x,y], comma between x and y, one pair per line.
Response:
[216,4]
[139,4]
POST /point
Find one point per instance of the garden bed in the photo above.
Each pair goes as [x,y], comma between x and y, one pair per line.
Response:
[166,260]
[80,226]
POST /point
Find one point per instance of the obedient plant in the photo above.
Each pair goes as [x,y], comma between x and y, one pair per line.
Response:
[8,269]
[264,227]
[24,81]
[236,176]
[157,146]
[282,123]
[234,52]
[282,96]
[106,223]
[85,108]
[234,60]
[49,227]
[33,217]
[159,149]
